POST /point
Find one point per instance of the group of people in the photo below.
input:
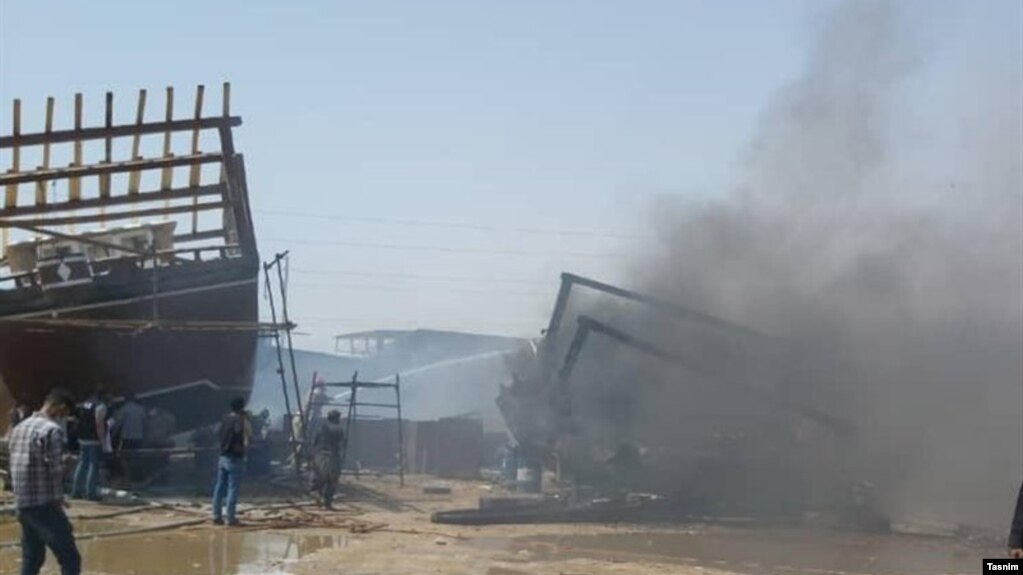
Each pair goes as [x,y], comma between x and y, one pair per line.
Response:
[234,438]
[101,430]
[40,446]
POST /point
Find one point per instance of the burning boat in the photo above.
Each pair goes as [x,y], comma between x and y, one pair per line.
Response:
[138,272]
[654,398]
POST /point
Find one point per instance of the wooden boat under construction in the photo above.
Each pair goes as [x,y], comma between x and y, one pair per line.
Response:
[115,273]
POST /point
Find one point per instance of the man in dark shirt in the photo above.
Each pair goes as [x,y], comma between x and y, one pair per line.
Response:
[91,430]
[327,446]
[234,437]
[1016,531]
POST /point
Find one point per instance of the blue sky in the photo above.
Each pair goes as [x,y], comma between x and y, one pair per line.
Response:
[551,116]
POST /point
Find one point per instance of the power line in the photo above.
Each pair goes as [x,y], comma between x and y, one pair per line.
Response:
[453,225]
[429,277]
[406,320]
[412,289]
[442,249]
[522,328]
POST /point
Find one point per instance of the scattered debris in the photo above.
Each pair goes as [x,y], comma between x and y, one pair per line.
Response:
[436,488]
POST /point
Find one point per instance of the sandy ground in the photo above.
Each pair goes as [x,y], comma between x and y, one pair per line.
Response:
[410,543]
[380,528]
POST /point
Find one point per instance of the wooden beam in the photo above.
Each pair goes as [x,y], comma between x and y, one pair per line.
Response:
[124,130]
[113,201]
[27,226]
[41,186]
[199,236]
[75,183]
[195,172]
[167,176]
[108,148]
[226,112]
[116,168]
[135,177]
[130,214]
[11,191]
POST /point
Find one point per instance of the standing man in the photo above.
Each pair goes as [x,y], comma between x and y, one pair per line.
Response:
[133,422]
[1016,531]
[132,418]
[18,414]
[318,398]
[92,432]
[37,472]
[234,434]
[327,446]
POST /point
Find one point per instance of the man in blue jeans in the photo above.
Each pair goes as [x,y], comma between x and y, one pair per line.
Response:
[37,451]
[234,435]
[91,430]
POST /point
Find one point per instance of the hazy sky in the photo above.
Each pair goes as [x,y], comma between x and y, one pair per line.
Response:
[453,150]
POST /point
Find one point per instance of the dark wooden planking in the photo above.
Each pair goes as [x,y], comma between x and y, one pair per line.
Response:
[122,200]
[92,218]
[93,170]
[27,226]
[199,236]
[124,130]
[199,249]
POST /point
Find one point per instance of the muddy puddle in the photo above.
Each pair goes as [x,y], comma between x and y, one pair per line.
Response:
[198,552]
[782,551]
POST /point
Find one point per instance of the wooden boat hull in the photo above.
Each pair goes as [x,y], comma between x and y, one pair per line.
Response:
[193,373]
[113,280]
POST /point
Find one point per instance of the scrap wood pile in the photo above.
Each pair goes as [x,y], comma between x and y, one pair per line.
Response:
[297,517]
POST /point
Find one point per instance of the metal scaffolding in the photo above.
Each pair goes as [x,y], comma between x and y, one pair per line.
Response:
[353,405]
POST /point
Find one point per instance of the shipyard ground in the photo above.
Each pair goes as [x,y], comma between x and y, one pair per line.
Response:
[381,528]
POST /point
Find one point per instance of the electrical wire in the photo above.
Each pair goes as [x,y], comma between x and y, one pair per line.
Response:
[418,277]
[441,249]
[452,225]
